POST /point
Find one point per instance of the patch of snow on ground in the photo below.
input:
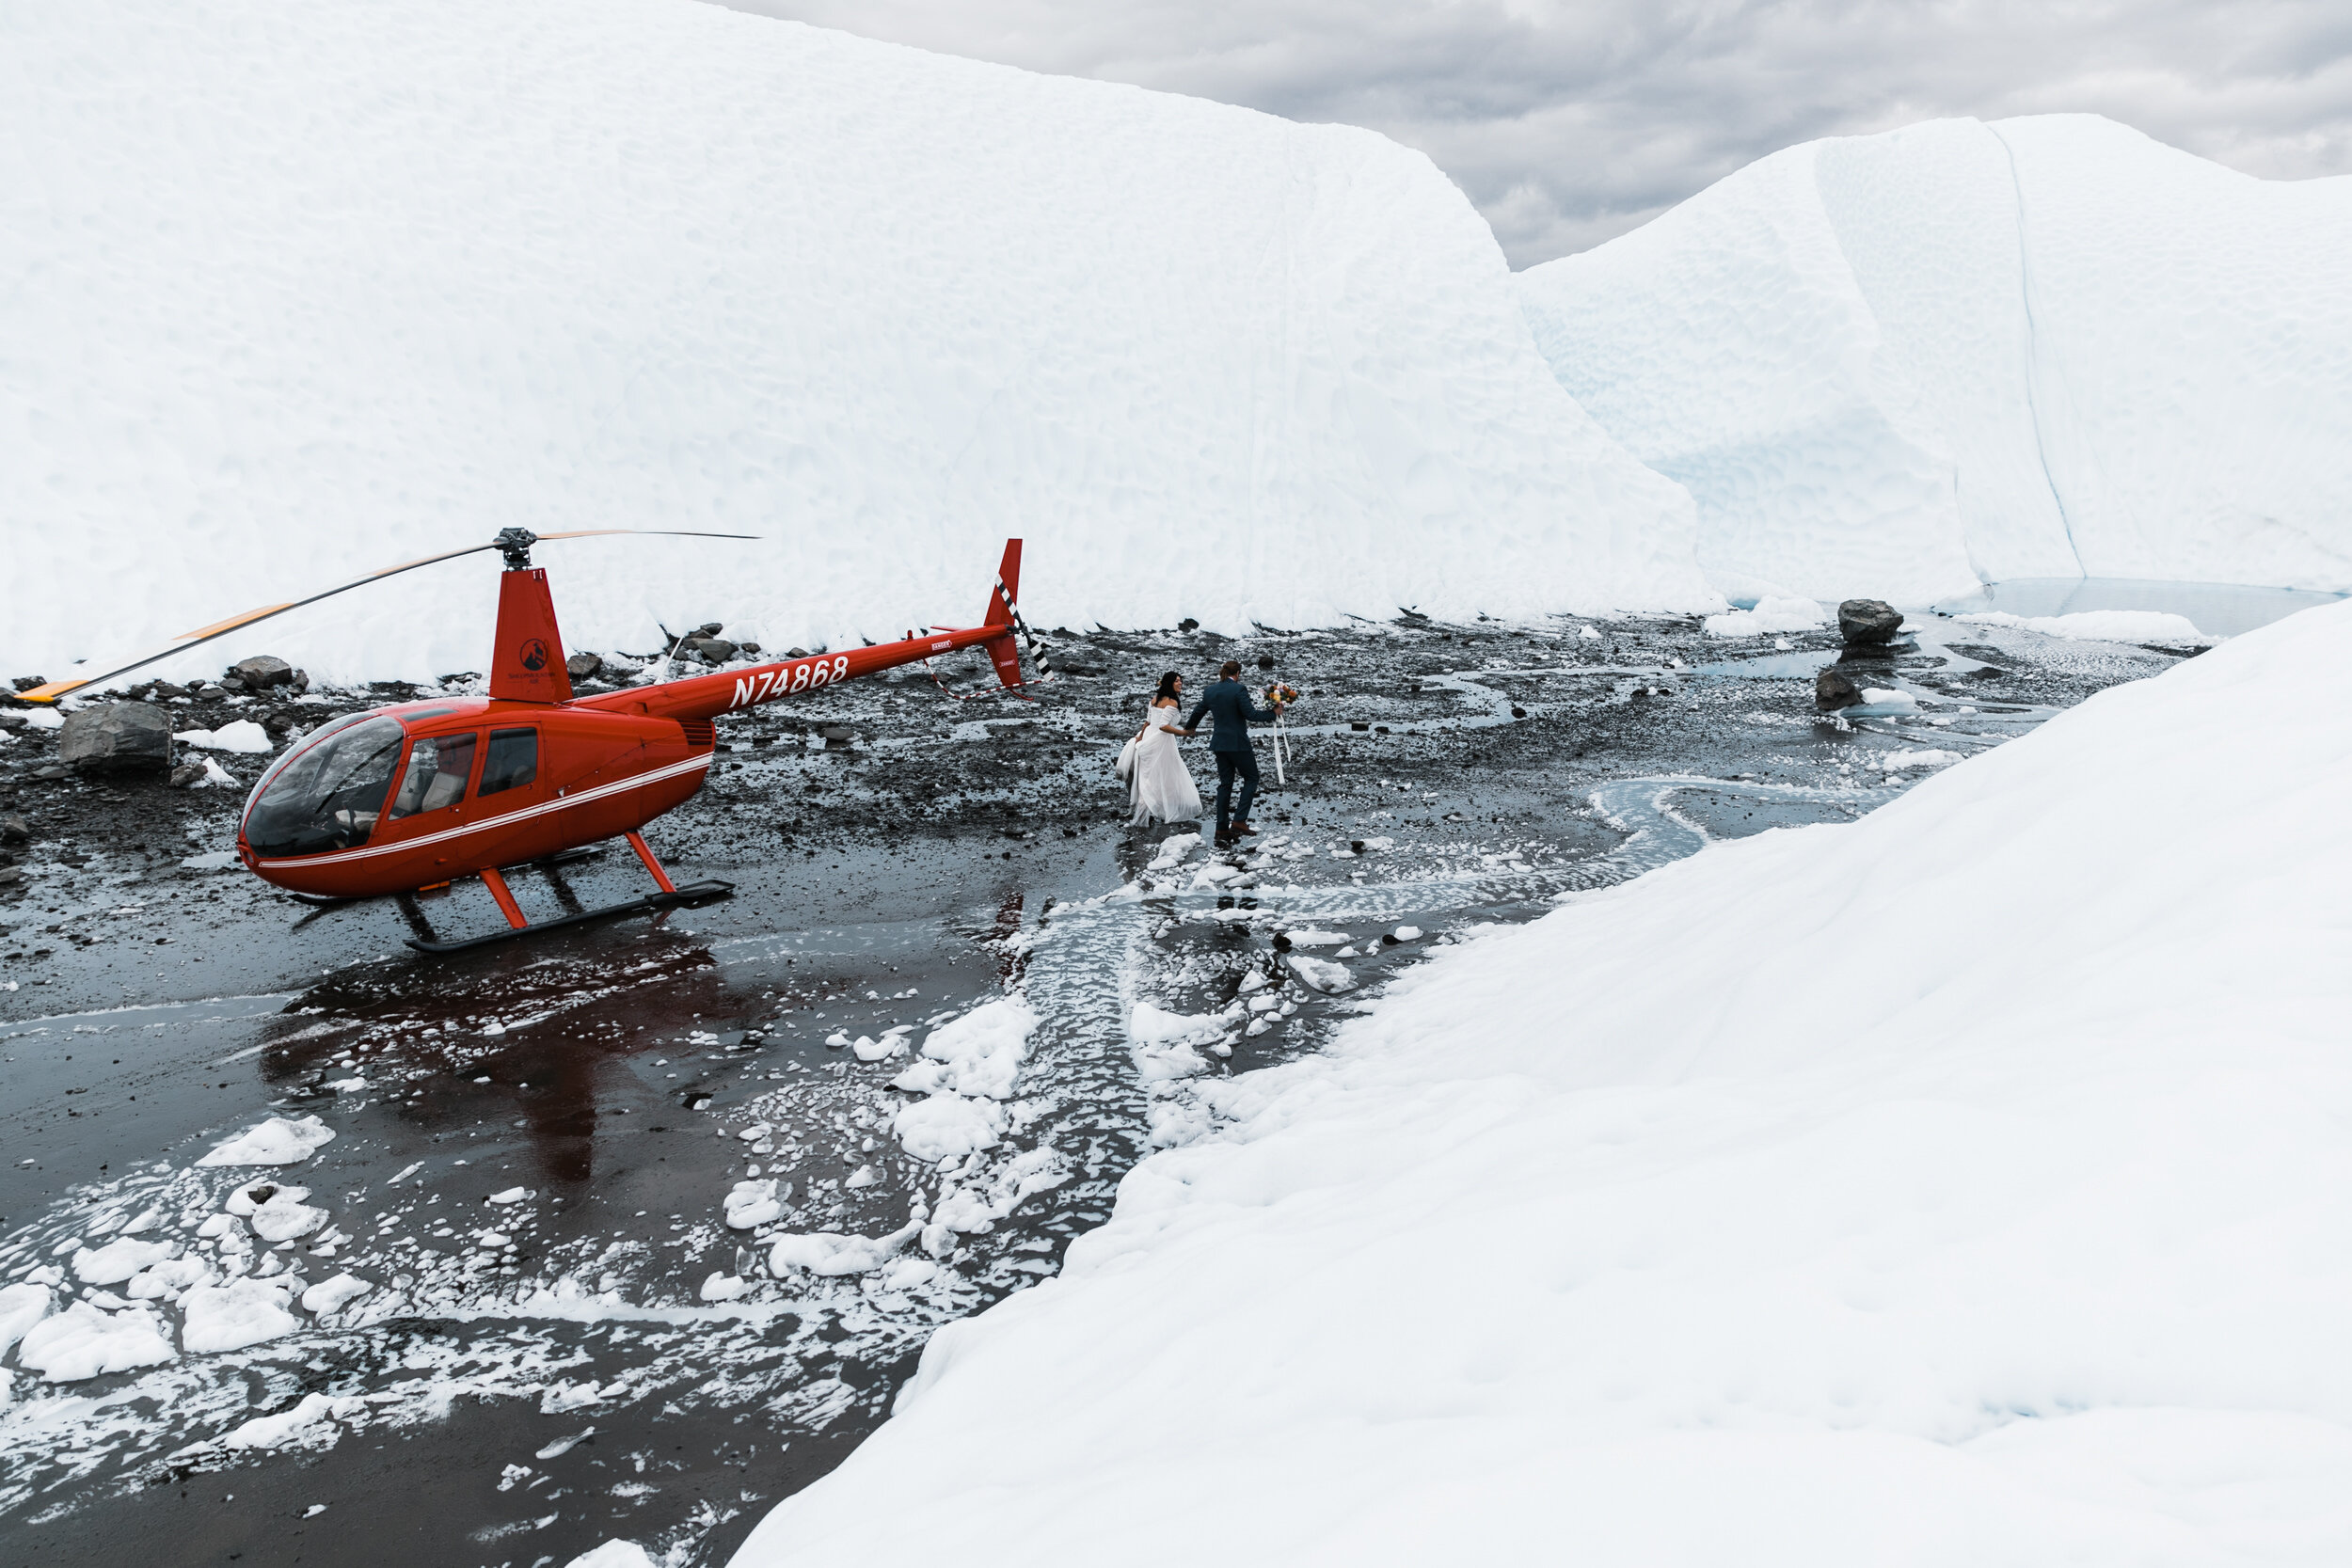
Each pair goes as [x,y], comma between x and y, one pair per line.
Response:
[276,1142]
[83,1342]
[232,1316]
[978,1053]
[1768,618]
[2024,1245]
[242,735]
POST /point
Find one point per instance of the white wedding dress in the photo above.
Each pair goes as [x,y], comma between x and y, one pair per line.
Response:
[1162,789]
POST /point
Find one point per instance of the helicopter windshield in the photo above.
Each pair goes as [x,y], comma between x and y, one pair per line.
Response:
[329,796]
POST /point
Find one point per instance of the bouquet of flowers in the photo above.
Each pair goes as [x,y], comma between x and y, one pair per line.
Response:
[1281,695]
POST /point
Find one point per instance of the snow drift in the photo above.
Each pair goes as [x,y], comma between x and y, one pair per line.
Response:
[293,292]
[1961,1185]
[2044,348]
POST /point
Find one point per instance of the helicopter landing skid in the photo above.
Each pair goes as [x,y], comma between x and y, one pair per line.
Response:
[670,896]
[691,896]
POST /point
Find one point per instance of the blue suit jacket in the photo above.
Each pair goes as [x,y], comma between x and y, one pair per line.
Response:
[1234,710]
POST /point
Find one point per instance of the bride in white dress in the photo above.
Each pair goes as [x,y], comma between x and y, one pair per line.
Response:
[1159,783]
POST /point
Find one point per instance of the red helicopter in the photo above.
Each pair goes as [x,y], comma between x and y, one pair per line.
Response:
[413,796]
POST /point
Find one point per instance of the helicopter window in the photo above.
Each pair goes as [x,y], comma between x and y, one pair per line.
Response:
[513,760]
[326,796]
[438,769]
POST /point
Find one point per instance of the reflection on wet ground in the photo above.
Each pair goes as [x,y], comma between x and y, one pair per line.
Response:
[645,1224]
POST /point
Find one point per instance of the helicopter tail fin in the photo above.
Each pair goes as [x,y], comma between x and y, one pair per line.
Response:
[1003,654]
[1004,610]
[1004,602]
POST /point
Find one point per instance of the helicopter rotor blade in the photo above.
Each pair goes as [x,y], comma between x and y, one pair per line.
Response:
[664,532]
[185,640]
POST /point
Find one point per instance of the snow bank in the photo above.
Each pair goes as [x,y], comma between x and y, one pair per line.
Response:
[1959,1185]
[2110,625]
[2044,348]
[287,303]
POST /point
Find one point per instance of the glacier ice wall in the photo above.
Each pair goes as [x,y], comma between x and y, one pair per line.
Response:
[291,292]
[1967,352]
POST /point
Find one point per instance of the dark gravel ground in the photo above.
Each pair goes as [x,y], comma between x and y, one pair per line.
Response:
[953,850]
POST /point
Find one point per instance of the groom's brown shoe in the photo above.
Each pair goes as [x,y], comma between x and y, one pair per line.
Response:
[1243,830]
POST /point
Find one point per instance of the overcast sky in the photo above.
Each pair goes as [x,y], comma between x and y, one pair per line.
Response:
[1569,124]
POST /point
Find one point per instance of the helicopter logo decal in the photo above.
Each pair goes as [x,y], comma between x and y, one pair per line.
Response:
[534,655]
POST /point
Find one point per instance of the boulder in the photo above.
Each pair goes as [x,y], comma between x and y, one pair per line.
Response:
[26,683]
[14,829]
[708,629]
[1868,620]
[263,669]
[581,667]
[714,650]
[1832,692]
[115,737]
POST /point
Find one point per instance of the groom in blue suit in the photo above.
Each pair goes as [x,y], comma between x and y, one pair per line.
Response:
[1235,711]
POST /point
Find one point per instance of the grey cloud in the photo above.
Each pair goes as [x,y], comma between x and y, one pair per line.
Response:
[1570,124]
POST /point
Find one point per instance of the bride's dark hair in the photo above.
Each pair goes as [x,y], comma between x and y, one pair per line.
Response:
[1168,686]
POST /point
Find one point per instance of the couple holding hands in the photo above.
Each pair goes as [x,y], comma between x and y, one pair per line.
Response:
[1159,784]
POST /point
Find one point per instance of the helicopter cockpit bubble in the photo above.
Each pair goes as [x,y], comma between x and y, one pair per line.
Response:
[326,795]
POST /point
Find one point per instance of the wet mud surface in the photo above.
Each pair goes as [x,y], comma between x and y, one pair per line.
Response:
[538,1147]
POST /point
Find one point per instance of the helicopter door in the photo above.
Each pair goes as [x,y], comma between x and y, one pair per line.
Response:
[513,761]
[438,767]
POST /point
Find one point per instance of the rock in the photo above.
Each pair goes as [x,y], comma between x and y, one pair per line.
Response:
[748,647]
[796,653]
[581,667]
[714,650]
[261,670]
[277,723]
[1187,624]
[1868,620]
[1266,662]
[708,629]
[15,829]
[26,683]
[187,773]
[1832,692]
[116,737]
[165,691]
[835,735]
[300,683]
